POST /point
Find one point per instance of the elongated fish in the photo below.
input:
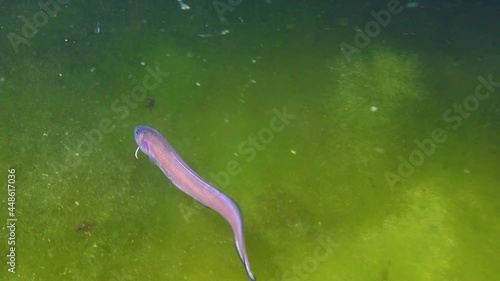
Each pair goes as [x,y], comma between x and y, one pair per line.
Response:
[178,172]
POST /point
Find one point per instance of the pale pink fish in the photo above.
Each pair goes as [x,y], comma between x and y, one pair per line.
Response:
[178,172]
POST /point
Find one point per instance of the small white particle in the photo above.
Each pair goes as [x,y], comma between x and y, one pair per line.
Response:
[184,6]
[412,5]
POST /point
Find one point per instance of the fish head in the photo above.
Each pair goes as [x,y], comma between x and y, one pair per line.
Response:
[140,134]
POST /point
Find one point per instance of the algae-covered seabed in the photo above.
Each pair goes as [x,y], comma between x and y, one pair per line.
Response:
[322,197]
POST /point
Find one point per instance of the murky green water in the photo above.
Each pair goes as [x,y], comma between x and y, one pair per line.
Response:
[374,163]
